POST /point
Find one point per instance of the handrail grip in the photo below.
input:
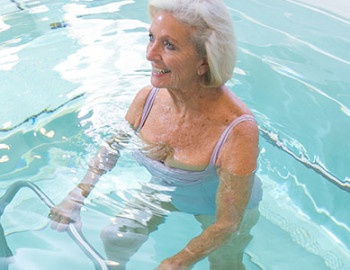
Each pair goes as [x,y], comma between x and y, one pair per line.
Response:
[75,233]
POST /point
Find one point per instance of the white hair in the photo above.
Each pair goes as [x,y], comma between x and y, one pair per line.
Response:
[214,36]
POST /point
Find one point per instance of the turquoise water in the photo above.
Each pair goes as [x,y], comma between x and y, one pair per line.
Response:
[64,89]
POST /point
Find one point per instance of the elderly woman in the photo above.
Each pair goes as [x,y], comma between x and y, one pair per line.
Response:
[202,141]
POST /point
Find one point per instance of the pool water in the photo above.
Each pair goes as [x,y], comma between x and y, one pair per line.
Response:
[69,70]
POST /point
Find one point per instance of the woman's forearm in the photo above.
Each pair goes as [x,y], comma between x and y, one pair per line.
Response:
[68,210]
[103,162]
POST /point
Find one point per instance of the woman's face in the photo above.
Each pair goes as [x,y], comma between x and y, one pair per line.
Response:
[172,53]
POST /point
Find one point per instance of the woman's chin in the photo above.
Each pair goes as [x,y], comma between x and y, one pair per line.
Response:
[157,83]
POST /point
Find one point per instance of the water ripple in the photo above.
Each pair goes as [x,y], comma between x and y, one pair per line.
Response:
[316,165]
[280,210]
[287,72]
[294,38]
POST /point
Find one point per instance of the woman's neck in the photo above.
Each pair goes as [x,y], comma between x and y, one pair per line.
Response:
[193,99]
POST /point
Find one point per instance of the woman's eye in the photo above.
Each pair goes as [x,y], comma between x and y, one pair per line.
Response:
[169,45]
[151,38]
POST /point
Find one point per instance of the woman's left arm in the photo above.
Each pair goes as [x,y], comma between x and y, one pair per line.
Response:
[237,164]
[232,197]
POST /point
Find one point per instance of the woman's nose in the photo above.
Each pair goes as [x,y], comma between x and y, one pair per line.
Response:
[152,52]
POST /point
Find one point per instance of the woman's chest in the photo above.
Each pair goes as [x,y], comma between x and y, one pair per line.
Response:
[187,145]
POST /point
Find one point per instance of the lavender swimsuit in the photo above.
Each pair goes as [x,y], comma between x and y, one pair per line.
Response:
[192,191]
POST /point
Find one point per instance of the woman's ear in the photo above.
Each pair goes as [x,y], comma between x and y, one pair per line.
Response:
[203,68]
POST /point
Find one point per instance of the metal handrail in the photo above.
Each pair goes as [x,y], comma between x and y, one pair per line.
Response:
[75,233]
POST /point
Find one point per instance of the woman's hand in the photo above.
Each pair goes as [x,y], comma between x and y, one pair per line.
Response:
[172,264]
[68,211]
[180,261]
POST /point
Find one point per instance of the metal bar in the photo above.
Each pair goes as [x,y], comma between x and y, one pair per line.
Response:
[75,234]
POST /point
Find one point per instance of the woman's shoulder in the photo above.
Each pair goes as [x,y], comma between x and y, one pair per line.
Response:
[233,107]
[240,151]
[134,113]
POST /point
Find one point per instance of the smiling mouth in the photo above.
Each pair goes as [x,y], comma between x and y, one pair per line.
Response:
[160,71]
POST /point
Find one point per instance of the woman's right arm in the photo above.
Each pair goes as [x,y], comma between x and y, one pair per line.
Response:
[68,210]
